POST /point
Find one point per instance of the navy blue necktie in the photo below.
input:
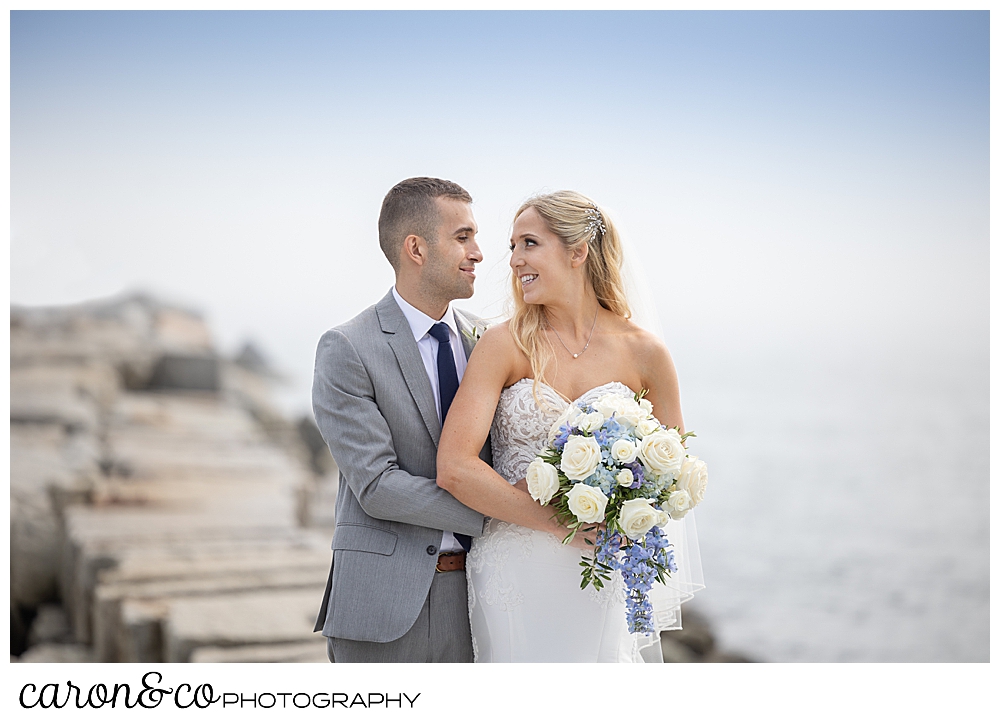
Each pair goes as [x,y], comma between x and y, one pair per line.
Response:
[447,386]
[447,373]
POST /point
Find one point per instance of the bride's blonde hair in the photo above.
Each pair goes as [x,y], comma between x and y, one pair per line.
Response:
[575,220]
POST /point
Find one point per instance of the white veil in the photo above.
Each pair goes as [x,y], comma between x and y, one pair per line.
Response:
[682,534]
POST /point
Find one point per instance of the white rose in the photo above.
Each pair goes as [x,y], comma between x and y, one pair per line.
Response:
[587,503]
[646,426]
[543,480]
[662,452]
[678,504]
[631,412]
[580,457]
[570,417]
[608,404]
[638,517]
[590,422]
[625,478]
[624,409]
[693,479]
[624,451]
[646,406]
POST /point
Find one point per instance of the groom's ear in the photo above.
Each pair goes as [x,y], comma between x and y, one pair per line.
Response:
[415,249]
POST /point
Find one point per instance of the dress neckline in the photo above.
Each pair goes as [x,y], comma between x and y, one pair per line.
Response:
[561,397]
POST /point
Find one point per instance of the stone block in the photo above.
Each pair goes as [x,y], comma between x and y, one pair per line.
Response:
[319,502]
[43,458]
[210,558]
[242,619]
[110,598]
[50,626]
[140,635]
[56,653]
[312,652]
[176,371]
[97,539]
[62,393]
[178,330]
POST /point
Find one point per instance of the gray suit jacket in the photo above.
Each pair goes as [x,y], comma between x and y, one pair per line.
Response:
[375,408]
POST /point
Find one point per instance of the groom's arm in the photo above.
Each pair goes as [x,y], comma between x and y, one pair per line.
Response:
[361,443]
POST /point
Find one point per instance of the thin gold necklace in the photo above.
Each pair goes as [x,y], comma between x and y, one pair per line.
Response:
[593,326]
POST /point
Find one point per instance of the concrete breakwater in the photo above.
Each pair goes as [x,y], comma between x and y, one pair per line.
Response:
[162,509]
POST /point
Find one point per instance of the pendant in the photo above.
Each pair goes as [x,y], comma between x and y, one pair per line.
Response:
[575,356]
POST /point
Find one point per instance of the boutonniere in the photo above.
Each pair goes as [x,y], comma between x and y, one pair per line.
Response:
[476,334]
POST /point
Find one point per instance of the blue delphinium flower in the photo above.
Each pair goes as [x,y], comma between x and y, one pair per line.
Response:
[609,433]
[638,567]
[608,545]
[638,475]
[565,431]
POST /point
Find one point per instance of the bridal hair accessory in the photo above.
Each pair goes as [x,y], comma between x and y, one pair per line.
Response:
[592,327]
[595,223]
[614,462]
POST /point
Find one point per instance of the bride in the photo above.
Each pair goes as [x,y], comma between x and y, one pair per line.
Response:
[569,339]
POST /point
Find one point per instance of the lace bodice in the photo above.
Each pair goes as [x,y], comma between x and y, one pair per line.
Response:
[521,427]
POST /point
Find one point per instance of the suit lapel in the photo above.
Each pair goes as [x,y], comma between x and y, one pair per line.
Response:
[467,330]
[470,330]
[404,346]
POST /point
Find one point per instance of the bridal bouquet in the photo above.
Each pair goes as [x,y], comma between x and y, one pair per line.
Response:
[613,462]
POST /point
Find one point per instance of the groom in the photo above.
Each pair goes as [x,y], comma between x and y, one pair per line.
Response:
[382,386]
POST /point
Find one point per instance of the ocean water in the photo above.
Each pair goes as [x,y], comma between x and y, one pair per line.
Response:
[847,517]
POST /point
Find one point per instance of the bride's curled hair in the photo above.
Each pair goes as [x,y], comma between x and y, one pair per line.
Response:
[576,220]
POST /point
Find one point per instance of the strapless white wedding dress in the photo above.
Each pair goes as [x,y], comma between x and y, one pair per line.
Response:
[525,601]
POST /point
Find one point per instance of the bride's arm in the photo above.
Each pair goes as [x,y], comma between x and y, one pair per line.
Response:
[660,377]
[459,469]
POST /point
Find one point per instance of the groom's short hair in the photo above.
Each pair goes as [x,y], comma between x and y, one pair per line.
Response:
[409,208]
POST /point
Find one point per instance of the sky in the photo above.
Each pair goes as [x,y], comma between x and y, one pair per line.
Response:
[796,184]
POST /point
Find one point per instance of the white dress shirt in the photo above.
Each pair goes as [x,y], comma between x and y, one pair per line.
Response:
[420,325]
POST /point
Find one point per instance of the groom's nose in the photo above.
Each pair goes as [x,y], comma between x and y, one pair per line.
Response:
[473,252]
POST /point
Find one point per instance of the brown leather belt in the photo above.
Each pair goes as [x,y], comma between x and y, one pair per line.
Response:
[450,561]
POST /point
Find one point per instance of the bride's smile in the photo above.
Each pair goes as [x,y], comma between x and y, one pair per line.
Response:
[541,263]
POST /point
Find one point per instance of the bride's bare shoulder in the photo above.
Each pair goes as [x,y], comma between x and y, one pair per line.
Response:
[649,351]
[497,337]
[497,350]
[497,344]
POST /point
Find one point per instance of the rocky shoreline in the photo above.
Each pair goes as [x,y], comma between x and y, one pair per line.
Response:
[162,509]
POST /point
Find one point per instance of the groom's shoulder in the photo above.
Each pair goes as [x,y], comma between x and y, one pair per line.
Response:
[360,324]
[358,332]
[356,328]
